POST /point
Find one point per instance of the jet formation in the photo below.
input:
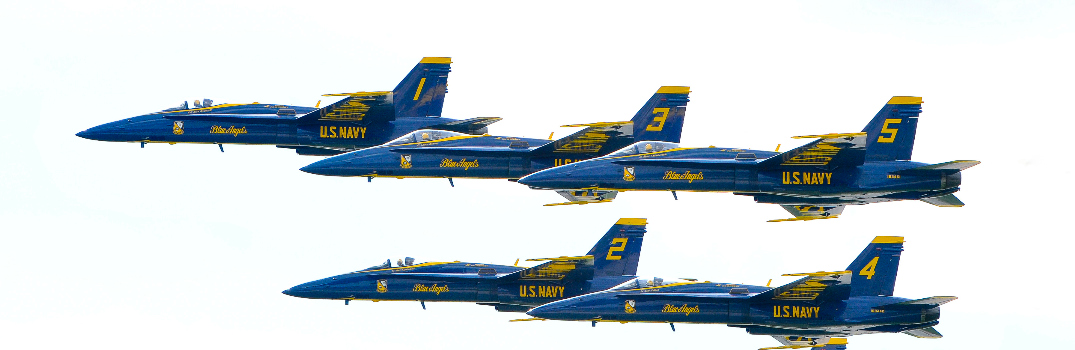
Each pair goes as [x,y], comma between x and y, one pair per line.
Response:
[819,310]
[401,134]
[813,181]
[612,261]
[359,120]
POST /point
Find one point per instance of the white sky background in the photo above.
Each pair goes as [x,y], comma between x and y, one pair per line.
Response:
[106,245]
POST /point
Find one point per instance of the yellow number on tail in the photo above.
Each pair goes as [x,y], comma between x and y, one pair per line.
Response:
[891,132]
[616,248]
[868,271]
[660,120]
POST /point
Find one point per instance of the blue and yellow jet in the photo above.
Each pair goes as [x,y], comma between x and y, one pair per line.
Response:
[359,120]
[817,311]
[611,262]
[443,154]
[814,181]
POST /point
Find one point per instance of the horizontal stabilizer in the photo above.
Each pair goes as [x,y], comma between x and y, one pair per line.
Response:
[918,304]
[946,168]
[948,200]
[469,126]
[928,332]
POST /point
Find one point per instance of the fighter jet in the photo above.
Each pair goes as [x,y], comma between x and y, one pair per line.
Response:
[359,120]
[443,154]
[612,261]
[817,311]
[814,181]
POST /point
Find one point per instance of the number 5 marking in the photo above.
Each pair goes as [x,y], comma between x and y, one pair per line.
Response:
[616,248]
[870,268]
[891,132]
[660,120]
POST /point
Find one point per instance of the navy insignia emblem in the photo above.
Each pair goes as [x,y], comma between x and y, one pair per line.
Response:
[405,161]
[628,173]
[382,286]
[177,127]
[629,307]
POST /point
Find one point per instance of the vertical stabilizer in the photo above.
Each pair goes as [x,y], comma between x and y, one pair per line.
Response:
[890,135]
[617,253]
[421,93]
[873,273]
[661,118]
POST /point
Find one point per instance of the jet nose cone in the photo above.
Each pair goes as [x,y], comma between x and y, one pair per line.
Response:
[328,167]
[288,292]
[545,178]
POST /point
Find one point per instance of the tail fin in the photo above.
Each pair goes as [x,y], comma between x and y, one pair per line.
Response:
[421,93]
[873,273]
[616,254]
[890,135]
[661,118]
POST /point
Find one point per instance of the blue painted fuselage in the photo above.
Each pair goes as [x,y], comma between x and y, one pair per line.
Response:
[453,281]
[721,171]
[479,157]
[257,124]
[732,304]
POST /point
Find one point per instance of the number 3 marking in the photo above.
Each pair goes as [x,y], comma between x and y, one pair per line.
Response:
[660,120]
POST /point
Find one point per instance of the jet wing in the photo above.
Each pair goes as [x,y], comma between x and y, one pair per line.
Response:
[924,303]
[555,268]
[812,212]
[590,140]
[830,150]
[358,107]
[808,288]
[469,126]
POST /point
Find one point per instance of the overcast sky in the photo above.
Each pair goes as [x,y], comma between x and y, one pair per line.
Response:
[107,245]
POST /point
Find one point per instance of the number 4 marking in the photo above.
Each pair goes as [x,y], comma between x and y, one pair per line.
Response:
[868,271]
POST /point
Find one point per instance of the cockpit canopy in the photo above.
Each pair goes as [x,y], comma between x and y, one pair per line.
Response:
[423,135]
[197,104]
[639,283]
[643,147]
[408,261]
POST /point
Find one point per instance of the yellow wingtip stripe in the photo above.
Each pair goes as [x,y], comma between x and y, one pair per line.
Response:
[905,100]
[440,60]
[631,221]
[674,90]
[837,341]
[888,239]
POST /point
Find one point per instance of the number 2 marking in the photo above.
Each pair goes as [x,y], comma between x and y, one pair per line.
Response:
[870,268]
[616,248]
